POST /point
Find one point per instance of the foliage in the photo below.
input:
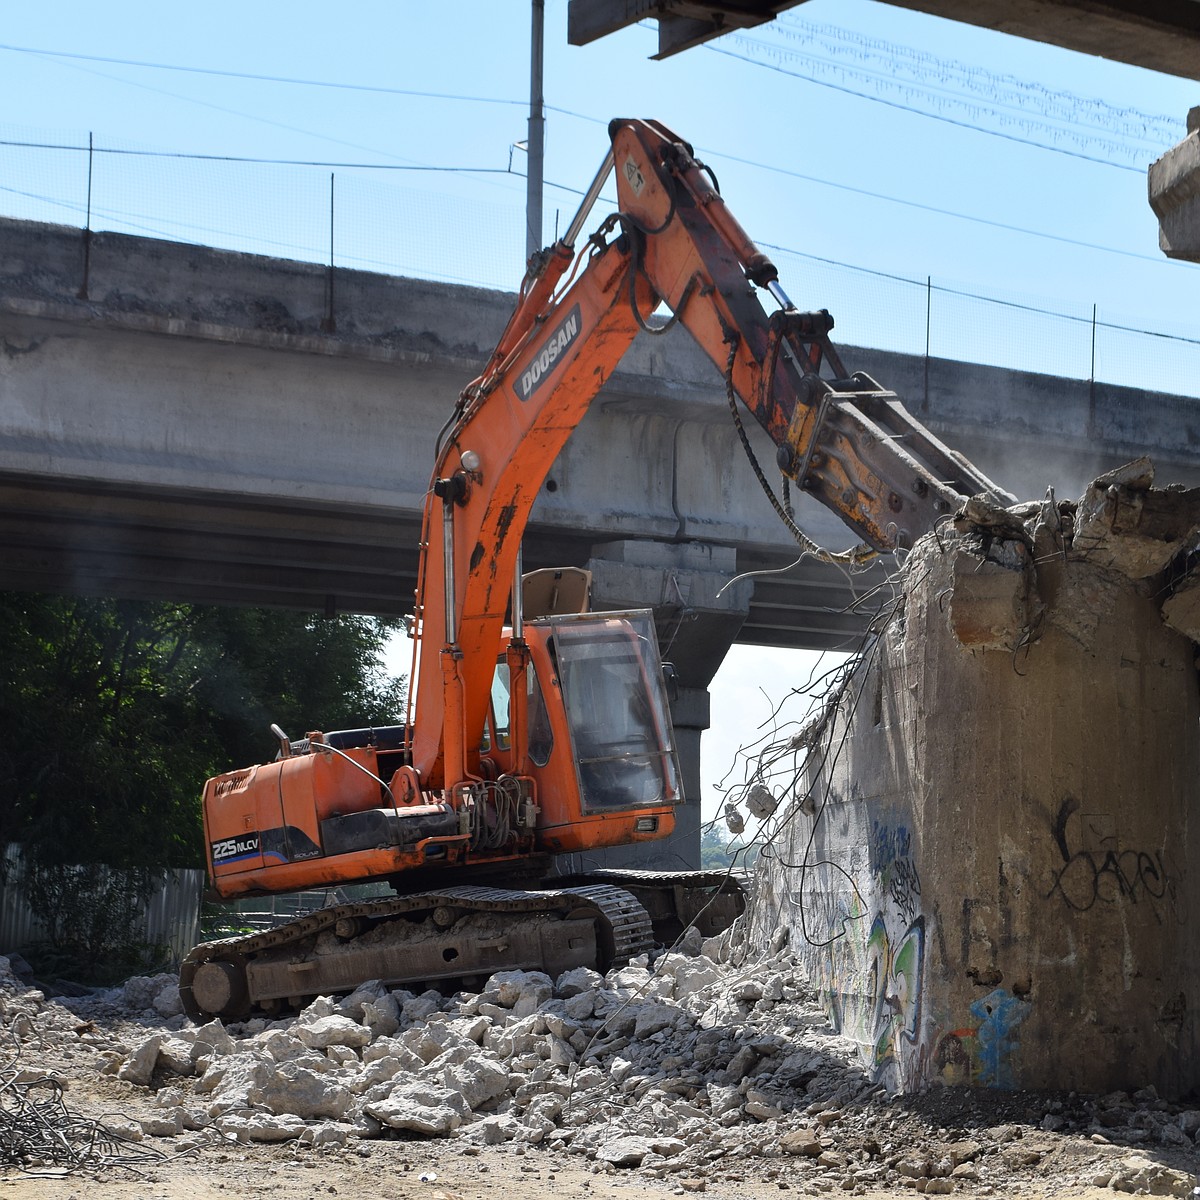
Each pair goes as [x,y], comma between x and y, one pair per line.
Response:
[116,711]
[718,853]
[89,912]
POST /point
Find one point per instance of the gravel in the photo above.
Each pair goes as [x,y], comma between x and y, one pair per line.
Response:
[686,1071]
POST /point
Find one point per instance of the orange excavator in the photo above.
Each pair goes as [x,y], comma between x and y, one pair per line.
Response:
[538,728]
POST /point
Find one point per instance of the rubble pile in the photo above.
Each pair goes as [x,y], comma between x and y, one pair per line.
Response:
[688,1069]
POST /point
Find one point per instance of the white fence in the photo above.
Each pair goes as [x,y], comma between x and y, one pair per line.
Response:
[171,917]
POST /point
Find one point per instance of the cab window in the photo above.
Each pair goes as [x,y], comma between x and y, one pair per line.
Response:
[500,705]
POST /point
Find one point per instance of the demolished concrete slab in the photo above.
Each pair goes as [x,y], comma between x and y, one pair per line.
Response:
[989,864]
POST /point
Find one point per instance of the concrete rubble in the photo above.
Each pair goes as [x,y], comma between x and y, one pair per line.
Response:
[686,1069]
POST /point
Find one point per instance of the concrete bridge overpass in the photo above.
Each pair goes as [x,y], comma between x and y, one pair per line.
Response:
[197,426]
[186,423]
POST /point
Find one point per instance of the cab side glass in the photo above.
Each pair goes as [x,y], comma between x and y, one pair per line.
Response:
[541,736]
[501,688]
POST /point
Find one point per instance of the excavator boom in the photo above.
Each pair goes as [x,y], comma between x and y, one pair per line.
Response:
[843,439]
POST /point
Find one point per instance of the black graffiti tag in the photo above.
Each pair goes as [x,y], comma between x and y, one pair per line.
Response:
[1106,876]
[906,886]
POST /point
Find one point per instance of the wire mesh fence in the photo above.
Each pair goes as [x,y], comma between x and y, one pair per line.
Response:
[374,219]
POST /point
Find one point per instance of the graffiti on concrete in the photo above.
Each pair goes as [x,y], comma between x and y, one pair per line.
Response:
[872,986]
[999,1013]
[1092,877]
[866,933]
[893,861]
[1105,873]
[981,1053]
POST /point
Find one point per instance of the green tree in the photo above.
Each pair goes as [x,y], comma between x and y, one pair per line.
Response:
[116,712]
[718,852]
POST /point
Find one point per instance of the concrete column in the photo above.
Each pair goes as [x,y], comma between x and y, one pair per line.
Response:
[696,626]
[992,875]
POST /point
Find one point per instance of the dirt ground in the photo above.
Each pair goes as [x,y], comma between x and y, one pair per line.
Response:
[425,1171]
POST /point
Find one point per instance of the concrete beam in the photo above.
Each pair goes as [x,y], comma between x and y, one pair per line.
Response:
[190,431]
[1174,184]
[1160,35]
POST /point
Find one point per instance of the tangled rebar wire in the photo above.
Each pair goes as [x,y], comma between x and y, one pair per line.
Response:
[797,750]
[41,1136]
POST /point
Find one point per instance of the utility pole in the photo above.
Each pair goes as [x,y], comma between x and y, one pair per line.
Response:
[537,134]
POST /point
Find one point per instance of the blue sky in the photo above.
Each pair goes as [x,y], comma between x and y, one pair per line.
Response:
[855,140]
[805,163]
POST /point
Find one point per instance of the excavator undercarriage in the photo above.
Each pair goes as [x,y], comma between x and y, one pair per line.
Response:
[451,939]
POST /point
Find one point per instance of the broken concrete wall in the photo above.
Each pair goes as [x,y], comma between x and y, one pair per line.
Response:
[987,868]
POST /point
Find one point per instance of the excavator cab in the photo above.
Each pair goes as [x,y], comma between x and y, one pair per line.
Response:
[613,695]
[600,745]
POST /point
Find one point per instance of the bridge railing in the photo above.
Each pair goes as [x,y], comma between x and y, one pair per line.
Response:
[373,219]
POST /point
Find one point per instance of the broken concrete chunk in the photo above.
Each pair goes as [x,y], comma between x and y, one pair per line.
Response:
[625,1151]
[477,1080]
[327,1133]
[167,1003]
[382,1016]
[140,992]
[1174,192]
[801,1142]
[421,1106]
[215,1037]
[262,1127]
[991,605]
[536,990]
[1181,609]
[352,1006]
[1143,1177]
[504,988]
[322,1006]
[1126,525]
[170,1124]
[176,1055]
[577,981]
[140,1065]
[415,1009]
[332,1031]
[289,1088]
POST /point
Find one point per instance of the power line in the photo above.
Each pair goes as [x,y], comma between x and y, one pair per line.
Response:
[849,91]
[325,83]
[930,208]
[574,191]
[941,212]
[972,84]
[223,109]
[239,158]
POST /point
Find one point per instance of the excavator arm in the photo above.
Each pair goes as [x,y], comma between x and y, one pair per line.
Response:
[843,439]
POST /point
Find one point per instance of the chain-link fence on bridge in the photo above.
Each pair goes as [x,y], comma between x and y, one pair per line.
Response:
[372,219]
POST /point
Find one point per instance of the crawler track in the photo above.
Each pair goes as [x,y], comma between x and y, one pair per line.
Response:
[710,900]
[446,936]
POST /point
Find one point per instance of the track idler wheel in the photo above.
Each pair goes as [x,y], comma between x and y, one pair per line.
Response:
[218,989]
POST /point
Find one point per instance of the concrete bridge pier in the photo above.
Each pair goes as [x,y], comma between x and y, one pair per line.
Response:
[991,865]
[697,617]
